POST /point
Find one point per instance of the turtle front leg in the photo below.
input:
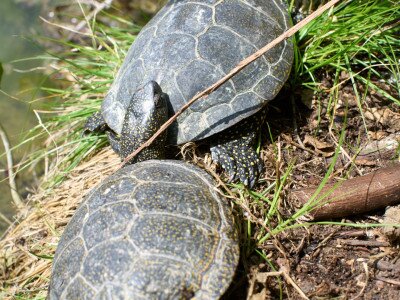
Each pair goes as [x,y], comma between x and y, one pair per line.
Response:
[95,122]
[234,150]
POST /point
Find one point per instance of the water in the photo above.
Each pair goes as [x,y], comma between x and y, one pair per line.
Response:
[18,88]
[19,22]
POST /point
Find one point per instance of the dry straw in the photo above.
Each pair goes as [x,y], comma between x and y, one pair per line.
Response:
[27,248]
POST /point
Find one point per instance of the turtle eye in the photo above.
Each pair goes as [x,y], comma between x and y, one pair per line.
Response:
[157,100]
[160,100]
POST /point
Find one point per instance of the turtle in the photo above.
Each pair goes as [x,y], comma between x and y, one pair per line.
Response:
[155,229]
[187,46]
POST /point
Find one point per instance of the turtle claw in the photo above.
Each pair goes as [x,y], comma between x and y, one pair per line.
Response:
[249,166]
[234,150]
[222,156]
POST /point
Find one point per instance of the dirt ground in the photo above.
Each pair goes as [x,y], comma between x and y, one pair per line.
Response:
[327,261]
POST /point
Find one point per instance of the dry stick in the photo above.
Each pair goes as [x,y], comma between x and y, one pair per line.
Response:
[233,72]
[357,243]
[10,165]
[358,195]
[388,280]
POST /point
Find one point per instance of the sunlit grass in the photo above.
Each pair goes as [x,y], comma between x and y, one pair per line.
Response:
[357,37]
[83,74]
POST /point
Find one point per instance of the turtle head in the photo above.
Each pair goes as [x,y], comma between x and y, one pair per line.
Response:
[151,104]
[146,112]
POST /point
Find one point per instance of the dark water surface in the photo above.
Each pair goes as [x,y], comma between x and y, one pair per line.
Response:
[19,22]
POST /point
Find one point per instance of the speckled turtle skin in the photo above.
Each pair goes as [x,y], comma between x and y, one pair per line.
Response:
[153,230]
[189,45]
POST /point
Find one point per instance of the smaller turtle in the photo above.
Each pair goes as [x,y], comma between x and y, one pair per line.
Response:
[156,229]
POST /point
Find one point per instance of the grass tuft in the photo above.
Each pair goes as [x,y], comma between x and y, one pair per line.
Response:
[356,37]
[84,73]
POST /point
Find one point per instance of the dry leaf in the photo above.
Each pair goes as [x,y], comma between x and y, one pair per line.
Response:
[320,147]
[377,135]
[384,116]
[260,296]
[389,143]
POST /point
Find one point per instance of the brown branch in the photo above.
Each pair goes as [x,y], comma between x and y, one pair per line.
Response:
[290,32]
[388,280]
[358,195]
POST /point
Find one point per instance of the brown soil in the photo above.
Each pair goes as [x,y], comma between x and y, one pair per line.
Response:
[326,261]
[331,262]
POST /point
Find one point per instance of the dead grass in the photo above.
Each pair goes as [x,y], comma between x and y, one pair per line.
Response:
[28,247]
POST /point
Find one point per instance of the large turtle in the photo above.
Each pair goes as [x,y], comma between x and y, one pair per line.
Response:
[186,47]
[153,230]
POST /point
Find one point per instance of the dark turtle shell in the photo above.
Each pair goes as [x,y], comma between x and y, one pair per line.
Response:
[153,230]
[188,46]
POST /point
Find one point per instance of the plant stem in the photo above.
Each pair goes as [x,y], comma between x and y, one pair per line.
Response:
[10,168]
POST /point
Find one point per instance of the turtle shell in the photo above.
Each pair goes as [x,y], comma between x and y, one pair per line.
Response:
[153,230]
[188,46]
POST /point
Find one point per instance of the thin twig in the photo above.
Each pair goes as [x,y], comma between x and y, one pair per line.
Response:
[362,243]
[10,168]
[388,280]
[63,27]
[52,140]
[5,219]
[294,284]
[290,141]
[290,32]
[364,286]
[98,7]
[287,278]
